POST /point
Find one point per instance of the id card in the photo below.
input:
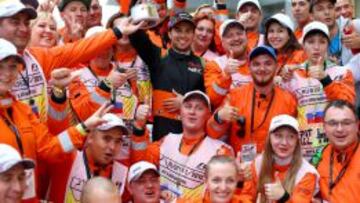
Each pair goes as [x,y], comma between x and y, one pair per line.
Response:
[30,183]
[248,152]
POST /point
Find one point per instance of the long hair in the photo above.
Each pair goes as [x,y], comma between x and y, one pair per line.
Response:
[291,45]
[267,169]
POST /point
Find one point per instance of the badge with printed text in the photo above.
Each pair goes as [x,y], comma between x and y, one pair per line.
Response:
[248,152]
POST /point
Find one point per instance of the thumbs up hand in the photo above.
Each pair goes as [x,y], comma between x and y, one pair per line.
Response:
[232,64]
[274,191]
[227,112]
[316,69]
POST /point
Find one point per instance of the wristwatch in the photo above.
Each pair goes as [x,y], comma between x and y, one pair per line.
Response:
[58,92]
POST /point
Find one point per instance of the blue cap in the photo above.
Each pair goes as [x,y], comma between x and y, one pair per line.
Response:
[263,49]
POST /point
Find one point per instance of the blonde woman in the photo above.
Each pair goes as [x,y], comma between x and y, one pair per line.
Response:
[44,31]
[280,173]
[221,178]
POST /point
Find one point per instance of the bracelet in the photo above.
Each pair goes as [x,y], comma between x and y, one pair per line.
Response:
[58,92]
[108,83]
[80,129]
[284,198]
[216,118]
[84,127]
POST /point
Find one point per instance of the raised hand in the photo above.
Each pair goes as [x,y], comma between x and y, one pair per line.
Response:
[316,69]
[173,104]
[96,119]
[116,78]
[274,191]
[62,77]
[232,65]
[126,26]
[141,116]
[228,113]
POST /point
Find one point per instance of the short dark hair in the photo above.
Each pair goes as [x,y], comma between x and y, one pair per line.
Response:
[341,104]
[110,22]
[313,2]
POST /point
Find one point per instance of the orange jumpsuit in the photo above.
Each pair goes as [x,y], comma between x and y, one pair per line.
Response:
[246,99]
[33,139]
[303,190]
[346,190]
[217,85]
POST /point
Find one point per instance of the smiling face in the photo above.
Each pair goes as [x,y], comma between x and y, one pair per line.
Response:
[263,68]
[283,141]
[9,68]
[75,11]
[340,126]
[43,33]
[181,36]
[16,29]
[104,145]
[344,8]
[95,14]
[324,11]
[146,189]
[254,15]
[204,32]
[221,182]
[301,11]
[234,40]
[277,36]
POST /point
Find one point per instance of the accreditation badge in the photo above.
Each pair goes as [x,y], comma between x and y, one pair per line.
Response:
[248,152]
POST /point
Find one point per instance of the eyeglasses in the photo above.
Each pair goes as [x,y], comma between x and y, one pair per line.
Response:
[343,123]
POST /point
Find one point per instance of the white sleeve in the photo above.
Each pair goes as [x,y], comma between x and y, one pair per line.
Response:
[354,66]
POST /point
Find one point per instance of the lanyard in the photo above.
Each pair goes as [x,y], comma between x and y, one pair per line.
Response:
[14,129]
[253,111]
[342,171]
[27,84]
[87,168]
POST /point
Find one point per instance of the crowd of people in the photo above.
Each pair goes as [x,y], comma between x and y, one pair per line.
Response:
[203,107]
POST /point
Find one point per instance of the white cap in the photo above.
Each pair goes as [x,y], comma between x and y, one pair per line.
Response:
[8,49]
[283,19]
[137,169]
[112,121]
[226,23]
[94,30]
[315,25]
[197,93]
[9,8]
[10,157]
[283,120]
[242,2]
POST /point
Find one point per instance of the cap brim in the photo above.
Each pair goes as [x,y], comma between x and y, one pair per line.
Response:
[197,95]
[285,125]
[26,163]
[183,20]
[30,11]
[312,32]
[142,172]
[259,51]
[123,128]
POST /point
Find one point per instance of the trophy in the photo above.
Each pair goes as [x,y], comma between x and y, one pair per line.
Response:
[145,11]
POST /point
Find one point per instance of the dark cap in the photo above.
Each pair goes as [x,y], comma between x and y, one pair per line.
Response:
[63,3]
[180,17]
[263,50]
[313,2]
[32,3]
